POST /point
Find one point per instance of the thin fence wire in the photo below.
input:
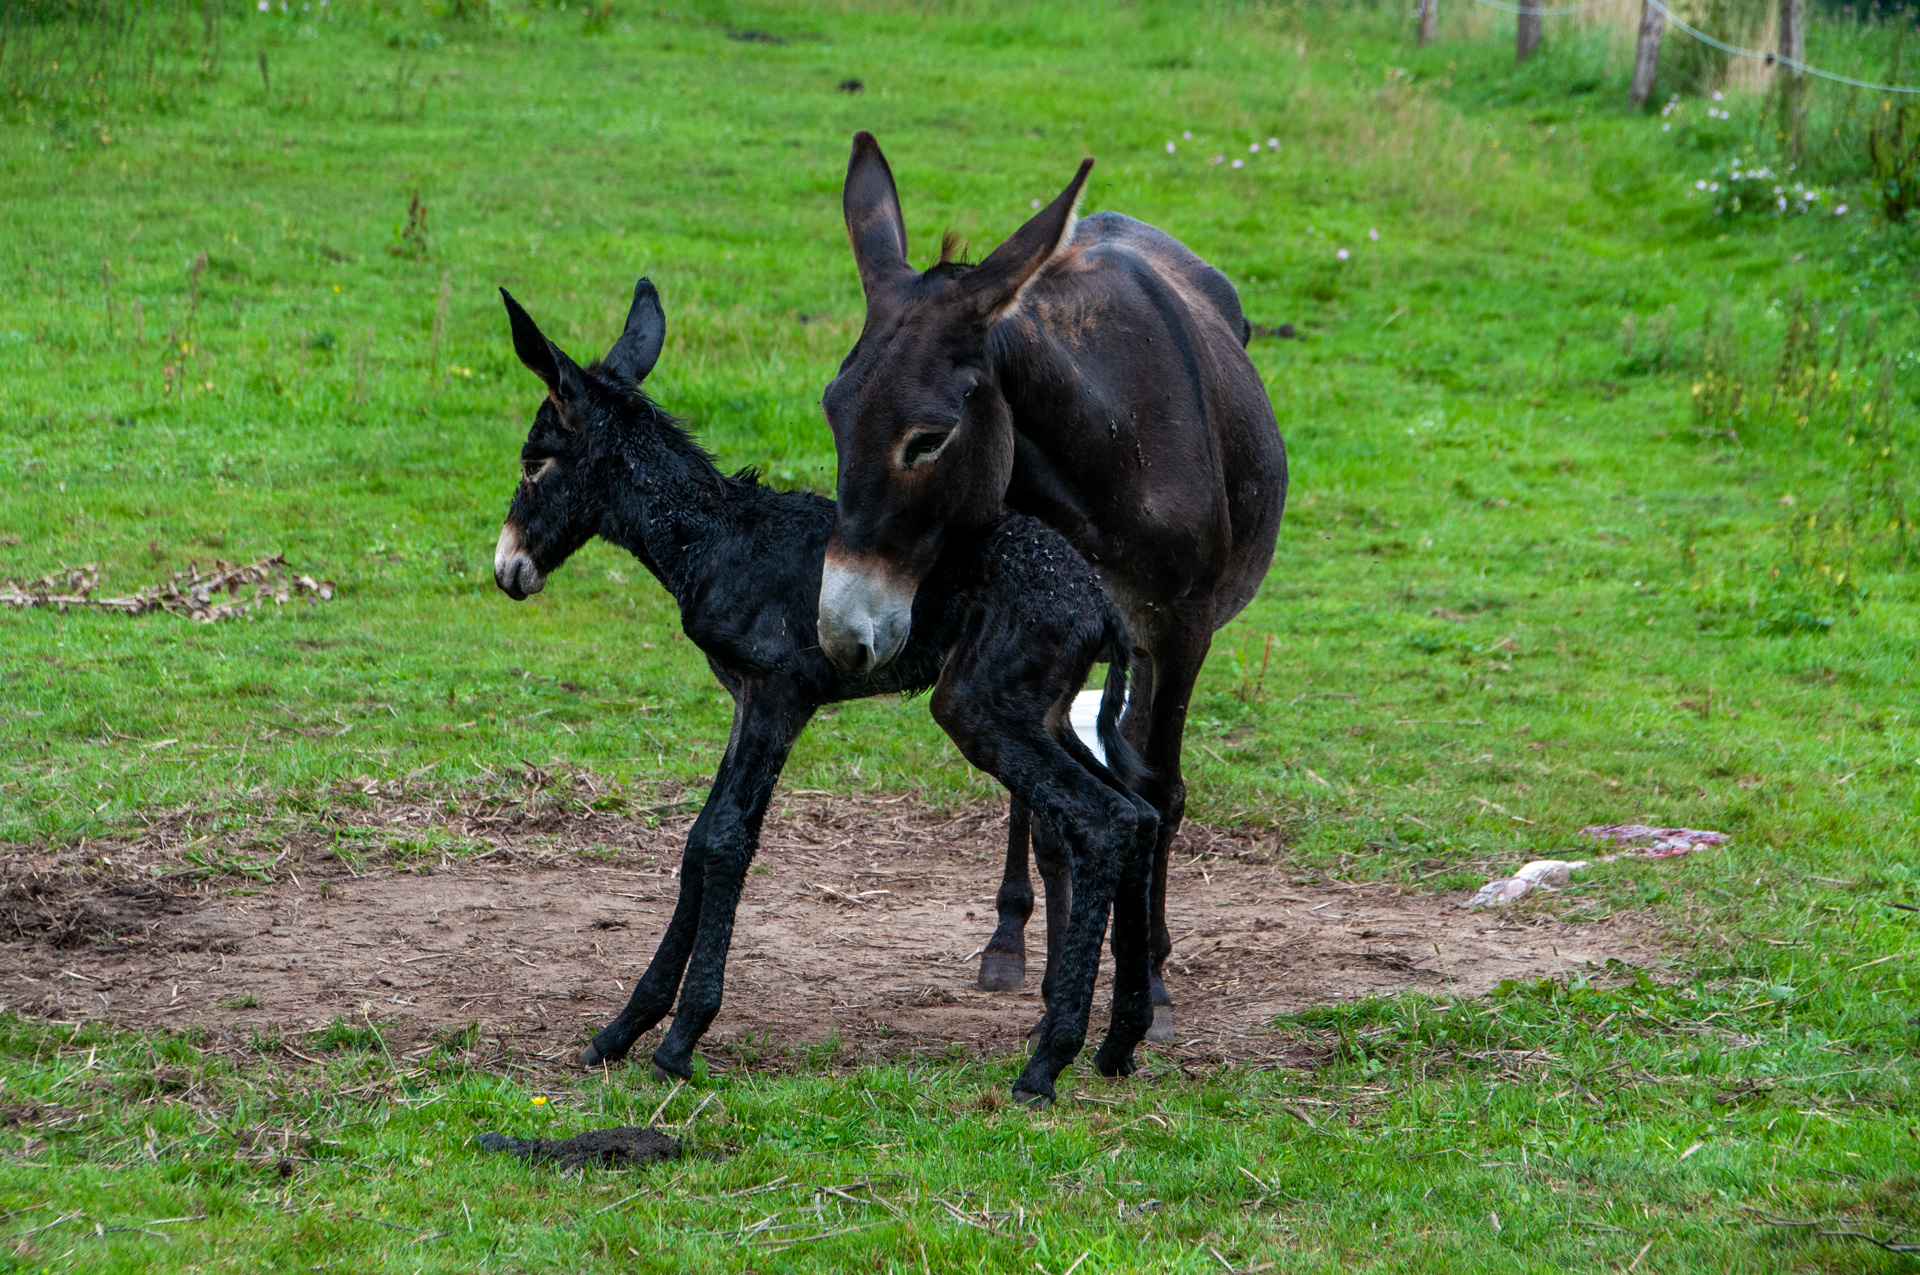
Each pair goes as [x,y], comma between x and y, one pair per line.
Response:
[1562,11]
[1771,59]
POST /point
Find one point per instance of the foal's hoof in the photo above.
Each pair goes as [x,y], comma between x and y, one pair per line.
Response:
[589,1057]
[1031,1100]
[1162,1030]
[1002,971]
[663,1076]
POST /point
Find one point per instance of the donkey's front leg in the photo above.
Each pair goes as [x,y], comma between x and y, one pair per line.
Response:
[755,754]
[653,994]
[1003,966]
[771,718]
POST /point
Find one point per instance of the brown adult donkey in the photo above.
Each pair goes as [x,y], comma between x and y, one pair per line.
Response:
[1093,374]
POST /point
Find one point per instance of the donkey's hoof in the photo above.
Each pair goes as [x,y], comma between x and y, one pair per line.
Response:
[1031,1100]
[1162,1030]
[589,1057]
[1035,1032]
[1113,1070]
[1002,971]
[664,1076]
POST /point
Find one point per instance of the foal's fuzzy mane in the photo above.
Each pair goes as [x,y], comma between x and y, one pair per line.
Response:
[669,428]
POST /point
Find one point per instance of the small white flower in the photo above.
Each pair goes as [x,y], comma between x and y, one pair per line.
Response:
[1699,185]
[1254,149]
[1342,254]
[1239,163]
[1188,134]
[1169,148]
[1273,143]
[1714,186]
[1217,159]
[1035,204]
[1666,128]
[264,6]
[1718,97]
[1841,211]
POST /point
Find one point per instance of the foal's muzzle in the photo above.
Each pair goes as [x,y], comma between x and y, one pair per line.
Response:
[865,616]
[513,570]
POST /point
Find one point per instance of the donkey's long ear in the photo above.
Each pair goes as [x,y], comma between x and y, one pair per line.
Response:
[533,348]
[638,348]
[874,225]
[997,283]
[542,357]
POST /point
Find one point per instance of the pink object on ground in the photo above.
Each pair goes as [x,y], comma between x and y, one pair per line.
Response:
[1659,843]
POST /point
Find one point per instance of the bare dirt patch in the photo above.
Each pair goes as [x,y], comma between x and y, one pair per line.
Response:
[860,924]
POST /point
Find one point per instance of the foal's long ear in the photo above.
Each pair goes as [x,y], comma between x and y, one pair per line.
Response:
[997,283]
[638,348]
[542,357]
[874,225]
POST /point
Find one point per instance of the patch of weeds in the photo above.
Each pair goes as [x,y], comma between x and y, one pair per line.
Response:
[209,861]
[825,1053]
[182,1046]
[246,1000]
[457,1039]
[344,1033]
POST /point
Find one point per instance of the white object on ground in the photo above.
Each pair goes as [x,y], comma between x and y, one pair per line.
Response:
[1547,874]
[1085,716]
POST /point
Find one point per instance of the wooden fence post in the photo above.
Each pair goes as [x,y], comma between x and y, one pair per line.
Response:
[1793,85]
[1526,29]
[1430,21]
[1646,53]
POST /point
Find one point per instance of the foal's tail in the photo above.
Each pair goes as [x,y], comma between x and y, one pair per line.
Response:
[1126,764]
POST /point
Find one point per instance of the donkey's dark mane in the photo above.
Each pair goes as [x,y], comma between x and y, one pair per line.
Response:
[670,429]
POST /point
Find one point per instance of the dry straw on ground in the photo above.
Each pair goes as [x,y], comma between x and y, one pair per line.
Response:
[191,593]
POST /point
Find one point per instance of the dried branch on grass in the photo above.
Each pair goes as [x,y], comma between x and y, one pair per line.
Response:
[191,593]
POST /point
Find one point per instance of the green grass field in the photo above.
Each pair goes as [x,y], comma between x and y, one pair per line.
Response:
[1602,511]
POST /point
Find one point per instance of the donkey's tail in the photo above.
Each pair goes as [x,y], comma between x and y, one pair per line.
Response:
[1126,764]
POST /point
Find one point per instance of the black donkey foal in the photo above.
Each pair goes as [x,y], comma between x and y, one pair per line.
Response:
[1004,631]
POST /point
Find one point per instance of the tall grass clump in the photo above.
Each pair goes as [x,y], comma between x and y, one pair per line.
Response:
[61,56]
[1829,406]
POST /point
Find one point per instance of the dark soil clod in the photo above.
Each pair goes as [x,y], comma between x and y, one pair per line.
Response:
[621,1148]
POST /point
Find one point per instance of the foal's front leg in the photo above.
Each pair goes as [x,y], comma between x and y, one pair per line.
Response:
[713,869]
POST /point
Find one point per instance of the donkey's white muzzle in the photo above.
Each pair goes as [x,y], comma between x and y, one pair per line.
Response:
[513,570]
[865,617]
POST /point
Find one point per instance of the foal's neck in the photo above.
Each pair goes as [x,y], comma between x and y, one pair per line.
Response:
[668,500]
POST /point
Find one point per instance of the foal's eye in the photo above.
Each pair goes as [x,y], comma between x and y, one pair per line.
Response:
[533,469]
[922,445]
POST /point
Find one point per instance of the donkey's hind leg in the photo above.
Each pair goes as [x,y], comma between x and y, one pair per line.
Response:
[980,704]
[1055,862]
[1132,927]
[1003,966]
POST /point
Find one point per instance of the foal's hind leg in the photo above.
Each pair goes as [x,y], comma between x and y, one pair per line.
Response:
[1055,862]
[1003,966]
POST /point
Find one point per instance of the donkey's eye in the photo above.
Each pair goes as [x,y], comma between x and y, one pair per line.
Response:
[533,469]
[922,445]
